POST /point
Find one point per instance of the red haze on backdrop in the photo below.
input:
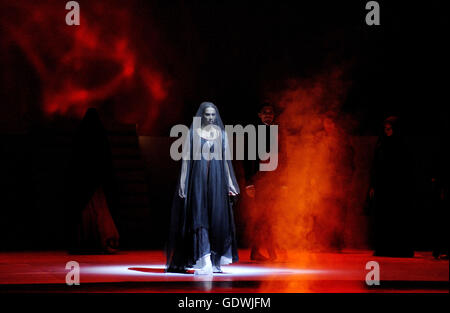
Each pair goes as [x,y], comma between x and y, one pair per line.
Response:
[108,56]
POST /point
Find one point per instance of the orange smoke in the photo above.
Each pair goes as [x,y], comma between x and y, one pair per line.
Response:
[308,204]
[81,66]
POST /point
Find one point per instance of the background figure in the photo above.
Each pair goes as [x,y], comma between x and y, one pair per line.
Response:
[335,186]
[391,192]
[202,229]
[91,189]
[263,188]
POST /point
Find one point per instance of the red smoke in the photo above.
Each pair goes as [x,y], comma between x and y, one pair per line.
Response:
[318,198]
[108,55]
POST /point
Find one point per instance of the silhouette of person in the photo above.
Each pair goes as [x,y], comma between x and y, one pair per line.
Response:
[263,188]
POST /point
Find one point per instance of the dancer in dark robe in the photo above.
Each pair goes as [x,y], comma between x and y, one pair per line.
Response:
[202,230]
[263,188]
[391,191]
[91,190]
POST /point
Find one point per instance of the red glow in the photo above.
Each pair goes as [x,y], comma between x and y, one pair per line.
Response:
[312,210]
[154,83]
[80,66]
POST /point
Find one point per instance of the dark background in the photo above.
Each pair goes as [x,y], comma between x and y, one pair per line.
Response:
[233,53]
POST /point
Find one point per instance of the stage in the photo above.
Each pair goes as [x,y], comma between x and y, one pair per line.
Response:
[143,271]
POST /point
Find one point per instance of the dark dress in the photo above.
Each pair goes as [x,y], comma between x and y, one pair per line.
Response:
[202,222]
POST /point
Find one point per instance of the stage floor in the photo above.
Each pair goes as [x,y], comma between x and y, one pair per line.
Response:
[143,271]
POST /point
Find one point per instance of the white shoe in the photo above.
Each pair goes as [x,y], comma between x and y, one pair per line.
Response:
[207,268]
[217,269]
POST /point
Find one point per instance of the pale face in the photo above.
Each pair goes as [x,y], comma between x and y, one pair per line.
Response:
[267,115]
[209,116]
[388,131]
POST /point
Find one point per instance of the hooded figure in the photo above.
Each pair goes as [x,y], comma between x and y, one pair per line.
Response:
[391,191]
[202,230]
